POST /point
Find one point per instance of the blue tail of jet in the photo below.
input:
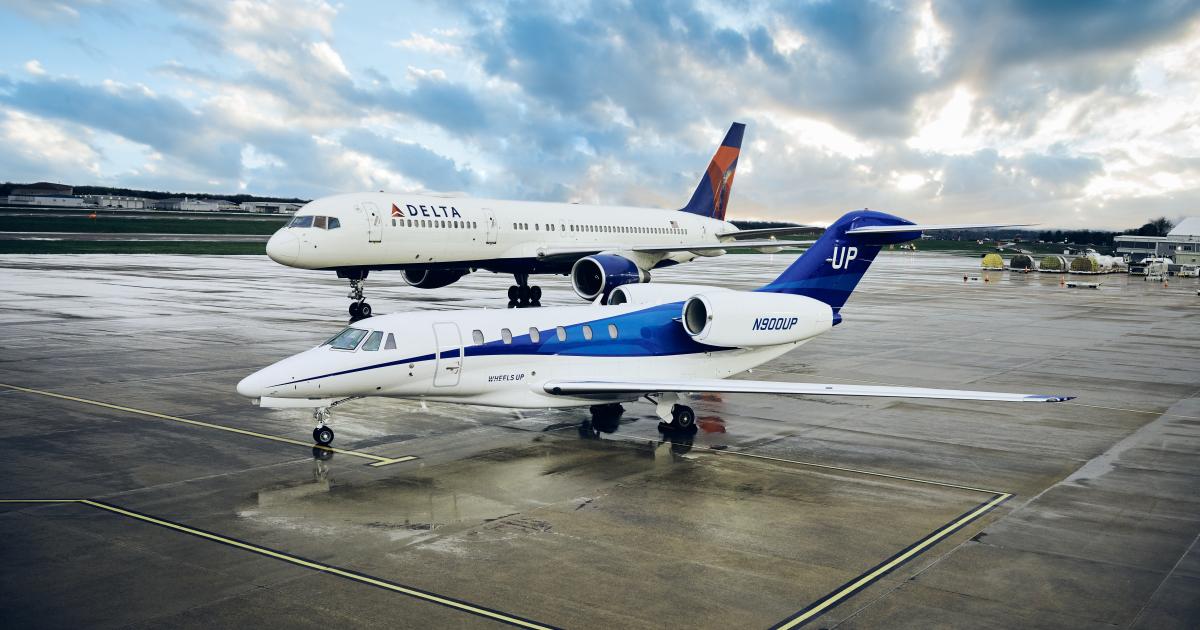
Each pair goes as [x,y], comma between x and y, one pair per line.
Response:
[832,267]
[712,194]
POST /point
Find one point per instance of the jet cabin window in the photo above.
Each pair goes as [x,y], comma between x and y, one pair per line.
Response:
[506,335]
[477,336]
[347,339]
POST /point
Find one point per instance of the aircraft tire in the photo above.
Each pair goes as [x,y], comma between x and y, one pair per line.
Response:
[535,294]
[513,293]
[323,436]
[364,310]
[354,310]
[682,417]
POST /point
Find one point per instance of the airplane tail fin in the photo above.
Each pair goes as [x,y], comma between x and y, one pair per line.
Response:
[712,193]
[830,269]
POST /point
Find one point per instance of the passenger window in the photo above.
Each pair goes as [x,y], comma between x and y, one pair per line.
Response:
[319,222]
[587,332]
[506,335]
[477,336]
[393,223]
[535,335]
[390,344]
[612,331]
[561,333]
[372,342]
[334,223]
[347,339]
[301,222]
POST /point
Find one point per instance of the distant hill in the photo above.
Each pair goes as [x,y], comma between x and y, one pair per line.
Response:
[7,187]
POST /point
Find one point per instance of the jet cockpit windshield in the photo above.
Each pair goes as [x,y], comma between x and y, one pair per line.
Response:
[310,221]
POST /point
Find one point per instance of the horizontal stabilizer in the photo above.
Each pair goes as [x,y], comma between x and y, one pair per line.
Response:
[568,388]
[910,227]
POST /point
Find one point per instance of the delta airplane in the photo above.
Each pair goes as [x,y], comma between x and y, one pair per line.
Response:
[653,340]
[434,241]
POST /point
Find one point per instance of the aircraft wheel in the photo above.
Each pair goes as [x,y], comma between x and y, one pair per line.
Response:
[364,310]
[523,294]
[514,292]
[354,310]
[682,417]
[323,436]
[535,294]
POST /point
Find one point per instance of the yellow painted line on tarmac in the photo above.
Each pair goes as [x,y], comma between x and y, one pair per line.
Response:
[377,460]
[852,587]
[449,602]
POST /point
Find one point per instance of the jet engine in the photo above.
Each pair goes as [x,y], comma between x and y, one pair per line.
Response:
[656,293]
[432,278]
[600,274]
[742,319]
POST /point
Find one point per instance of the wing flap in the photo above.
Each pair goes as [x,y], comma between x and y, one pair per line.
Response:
[568,388]
[913,227]
[768,232]
[677,247]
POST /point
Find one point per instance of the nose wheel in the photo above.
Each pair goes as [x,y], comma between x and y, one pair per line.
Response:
[322,435]
[359,309]
[521,295]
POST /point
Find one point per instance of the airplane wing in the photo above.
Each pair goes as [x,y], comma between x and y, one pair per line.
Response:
[658,249]
[568,388]
[768,232]
[888,229]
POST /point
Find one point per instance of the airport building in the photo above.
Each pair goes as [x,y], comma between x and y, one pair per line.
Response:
[46,194]
[185,204]
[271,207]
[1181,244]
[116,201]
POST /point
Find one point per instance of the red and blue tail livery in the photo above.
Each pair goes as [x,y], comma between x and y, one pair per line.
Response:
[711,197]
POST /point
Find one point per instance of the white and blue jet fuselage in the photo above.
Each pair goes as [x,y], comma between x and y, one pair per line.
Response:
[655,340]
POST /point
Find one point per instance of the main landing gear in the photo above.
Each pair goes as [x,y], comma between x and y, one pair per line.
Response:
[359,309]
[674,416]
[521,295]
[322,435]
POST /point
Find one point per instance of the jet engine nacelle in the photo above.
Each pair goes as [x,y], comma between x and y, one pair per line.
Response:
[656,293]
[432,278]
[599,274]
[743,319]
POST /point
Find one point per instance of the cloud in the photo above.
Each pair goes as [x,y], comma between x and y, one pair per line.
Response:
[412,160]
[34,67]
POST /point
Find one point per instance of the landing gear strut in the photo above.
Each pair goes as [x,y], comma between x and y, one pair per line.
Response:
[359,309]
[322,435]
[681,417]
[521,295]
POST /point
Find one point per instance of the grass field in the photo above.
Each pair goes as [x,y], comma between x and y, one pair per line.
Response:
[149,225]
[129,247]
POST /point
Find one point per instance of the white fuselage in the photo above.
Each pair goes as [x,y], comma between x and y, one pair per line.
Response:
[436,356]
[398,231]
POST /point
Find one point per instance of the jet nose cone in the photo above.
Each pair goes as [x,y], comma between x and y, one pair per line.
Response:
[253,386]
[284,247]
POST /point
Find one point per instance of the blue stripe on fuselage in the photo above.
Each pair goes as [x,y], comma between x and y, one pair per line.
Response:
[651,332]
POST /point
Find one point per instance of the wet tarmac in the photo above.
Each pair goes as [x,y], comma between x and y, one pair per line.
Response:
[172,502]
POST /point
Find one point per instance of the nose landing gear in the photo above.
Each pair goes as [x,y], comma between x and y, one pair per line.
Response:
[322,435]
[359,309]
[521,295]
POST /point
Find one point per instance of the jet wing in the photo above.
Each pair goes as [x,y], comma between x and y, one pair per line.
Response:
[658,249]
[889,229]
[570,388]
[768,232]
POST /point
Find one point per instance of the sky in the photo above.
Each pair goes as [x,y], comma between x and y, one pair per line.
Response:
[1069,114]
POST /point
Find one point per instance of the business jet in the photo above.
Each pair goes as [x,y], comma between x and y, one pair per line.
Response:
[649,340]
[435,240]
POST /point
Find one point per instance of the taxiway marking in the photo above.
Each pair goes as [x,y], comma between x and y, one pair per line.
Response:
[362,578]
[873,574]
[377,460]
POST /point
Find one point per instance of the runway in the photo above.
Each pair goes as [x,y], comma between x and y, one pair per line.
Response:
[141,490]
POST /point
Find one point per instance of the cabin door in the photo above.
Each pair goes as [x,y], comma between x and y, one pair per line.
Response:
[489,224]
[374,222]
[448,366]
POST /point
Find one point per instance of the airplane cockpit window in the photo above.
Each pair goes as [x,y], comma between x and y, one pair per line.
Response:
[302,222]
[391,342]
[319,222]
[372,342]
[347,339]
[334,223]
